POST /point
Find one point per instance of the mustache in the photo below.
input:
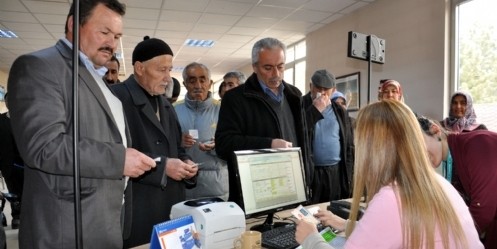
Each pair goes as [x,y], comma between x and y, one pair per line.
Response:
[107,49]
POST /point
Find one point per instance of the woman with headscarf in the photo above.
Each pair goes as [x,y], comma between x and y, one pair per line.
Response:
[462,116]
[390,89]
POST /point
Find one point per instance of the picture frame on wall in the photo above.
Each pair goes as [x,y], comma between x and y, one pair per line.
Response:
[349,85]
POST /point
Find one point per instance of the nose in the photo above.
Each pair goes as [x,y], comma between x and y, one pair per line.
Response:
[112,41]
[197,84]
[167,77]
[275,72]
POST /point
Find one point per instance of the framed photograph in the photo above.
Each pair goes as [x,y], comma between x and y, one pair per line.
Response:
[349,86]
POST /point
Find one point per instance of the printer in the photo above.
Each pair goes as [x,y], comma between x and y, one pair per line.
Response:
[218,222]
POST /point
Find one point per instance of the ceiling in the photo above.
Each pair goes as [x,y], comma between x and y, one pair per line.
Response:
[234,25]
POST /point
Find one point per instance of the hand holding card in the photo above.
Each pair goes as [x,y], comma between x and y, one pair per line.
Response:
[302,213]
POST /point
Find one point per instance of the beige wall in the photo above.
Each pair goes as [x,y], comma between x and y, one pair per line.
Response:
[416,50]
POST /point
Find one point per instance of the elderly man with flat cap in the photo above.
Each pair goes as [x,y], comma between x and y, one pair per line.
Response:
[332,141]
[155,131]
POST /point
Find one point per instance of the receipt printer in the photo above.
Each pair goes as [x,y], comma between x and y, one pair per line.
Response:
[218,222]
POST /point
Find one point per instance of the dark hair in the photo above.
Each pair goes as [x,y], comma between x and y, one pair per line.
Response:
[221,87]
[114,58]
[86,8]
[426,124]
[176,87]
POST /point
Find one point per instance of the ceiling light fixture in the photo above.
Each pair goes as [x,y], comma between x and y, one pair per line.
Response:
[199,43]
[178,69]
[7,34]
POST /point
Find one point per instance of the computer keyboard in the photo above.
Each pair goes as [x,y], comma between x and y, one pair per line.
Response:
[282,237]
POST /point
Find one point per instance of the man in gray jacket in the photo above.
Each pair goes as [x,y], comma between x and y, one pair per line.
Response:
[198,115]
[41,109]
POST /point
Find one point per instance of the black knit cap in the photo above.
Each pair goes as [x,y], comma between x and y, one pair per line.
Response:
[150,48]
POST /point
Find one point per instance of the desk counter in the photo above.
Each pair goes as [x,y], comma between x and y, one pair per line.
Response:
[255,221]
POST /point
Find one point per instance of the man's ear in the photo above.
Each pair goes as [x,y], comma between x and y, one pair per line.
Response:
[70,21]
[138,68]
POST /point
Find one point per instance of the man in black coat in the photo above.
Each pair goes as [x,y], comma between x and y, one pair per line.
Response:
[11,165]
[332,141]
[155,131]
[265,112]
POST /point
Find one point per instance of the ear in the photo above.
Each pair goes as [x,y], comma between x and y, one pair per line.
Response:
[138,68]
[70,22]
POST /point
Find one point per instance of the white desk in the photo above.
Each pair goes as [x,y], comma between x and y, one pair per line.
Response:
[252,221]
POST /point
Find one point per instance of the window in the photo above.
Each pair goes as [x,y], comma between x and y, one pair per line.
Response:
[475,44]
[296,65]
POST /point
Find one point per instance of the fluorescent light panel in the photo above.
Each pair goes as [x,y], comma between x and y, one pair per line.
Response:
[178,69]
[199,43]
[7,34]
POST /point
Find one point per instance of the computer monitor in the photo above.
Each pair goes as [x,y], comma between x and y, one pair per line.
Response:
[270,180]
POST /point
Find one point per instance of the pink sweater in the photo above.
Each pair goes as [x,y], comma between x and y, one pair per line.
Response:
[380,226]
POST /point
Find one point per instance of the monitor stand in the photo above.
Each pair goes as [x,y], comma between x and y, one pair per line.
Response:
[268,224]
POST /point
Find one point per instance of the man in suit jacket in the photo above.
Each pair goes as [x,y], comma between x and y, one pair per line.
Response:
[40,91]
[155,130]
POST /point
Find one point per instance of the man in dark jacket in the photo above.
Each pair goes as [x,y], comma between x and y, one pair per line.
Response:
[155,131]
[332,141]
[11,165]
[265,112]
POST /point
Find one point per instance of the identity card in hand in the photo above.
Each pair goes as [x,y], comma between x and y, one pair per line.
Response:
[302,213]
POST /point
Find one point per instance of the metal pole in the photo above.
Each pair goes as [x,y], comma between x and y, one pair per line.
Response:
[370,67]
[76,167]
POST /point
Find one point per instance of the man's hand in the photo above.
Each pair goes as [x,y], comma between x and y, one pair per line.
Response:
[280,143]
[179,170]
[322,102]
[137,163]
[207,146]
[187,140]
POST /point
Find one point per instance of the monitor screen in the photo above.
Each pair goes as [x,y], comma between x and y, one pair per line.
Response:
[270,180]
